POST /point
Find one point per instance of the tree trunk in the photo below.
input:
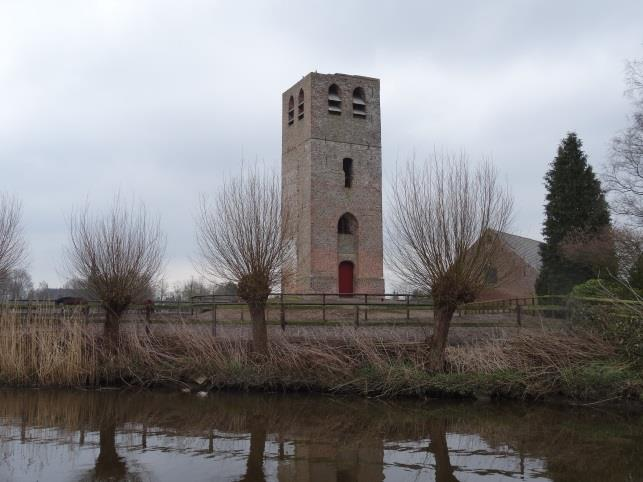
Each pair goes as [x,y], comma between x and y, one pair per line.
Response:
[111,328]
[259,330]
[442,320]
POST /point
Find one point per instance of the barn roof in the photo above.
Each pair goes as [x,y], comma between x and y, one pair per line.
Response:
[528,249]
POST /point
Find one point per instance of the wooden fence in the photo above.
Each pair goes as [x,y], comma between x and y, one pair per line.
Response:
[358,309]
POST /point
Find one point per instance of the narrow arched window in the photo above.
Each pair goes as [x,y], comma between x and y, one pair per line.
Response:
[334,100]
[300,104]
[359,103]
[291,110]
[347,224]
[347,166]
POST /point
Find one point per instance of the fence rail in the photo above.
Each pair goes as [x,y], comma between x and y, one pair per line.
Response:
[333,308]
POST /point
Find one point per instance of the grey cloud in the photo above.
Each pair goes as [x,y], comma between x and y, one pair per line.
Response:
[162,99]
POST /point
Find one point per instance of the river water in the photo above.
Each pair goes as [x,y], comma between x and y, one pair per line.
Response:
[53,436]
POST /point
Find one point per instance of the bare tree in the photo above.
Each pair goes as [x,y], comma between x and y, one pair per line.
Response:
[118,254]
[185,290]
[624,172]
[75,284]
[40,293]
[12,243]
[628,243]
[161,289]
[243,238]
[18,285]
[442,234]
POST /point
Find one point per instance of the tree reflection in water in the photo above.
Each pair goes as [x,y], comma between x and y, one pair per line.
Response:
[109,465]
[315,439]
[254,462]
[439,448]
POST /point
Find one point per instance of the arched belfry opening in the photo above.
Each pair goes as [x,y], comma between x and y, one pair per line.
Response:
[334,100]
[291,110]
[300,104]
[359,103]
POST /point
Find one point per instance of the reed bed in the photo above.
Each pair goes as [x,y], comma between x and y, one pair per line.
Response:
[46,350]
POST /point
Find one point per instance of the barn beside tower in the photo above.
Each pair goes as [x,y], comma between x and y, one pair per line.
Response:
[332,183]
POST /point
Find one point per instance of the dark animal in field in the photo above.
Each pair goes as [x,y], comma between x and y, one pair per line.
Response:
[70,301]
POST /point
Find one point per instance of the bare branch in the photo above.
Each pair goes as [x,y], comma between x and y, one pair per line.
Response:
[439,212]
[623,175]
[12,244]
[240,234]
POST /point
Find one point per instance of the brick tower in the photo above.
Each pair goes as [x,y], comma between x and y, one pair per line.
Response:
[332,183]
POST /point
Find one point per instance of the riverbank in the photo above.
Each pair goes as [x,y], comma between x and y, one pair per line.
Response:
[532,364]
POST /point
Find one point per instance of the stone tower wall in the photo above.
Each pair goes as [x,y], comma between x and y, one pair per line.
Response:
[313,149]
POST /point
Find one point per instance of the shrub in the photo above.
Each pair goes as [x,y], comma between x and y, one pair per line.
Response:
[598,288]
[612,310]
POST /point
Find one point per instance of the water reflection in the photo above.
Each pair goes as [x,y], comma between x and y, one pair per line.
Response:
[439,448]
[99,436]
[254,464]
[109,465]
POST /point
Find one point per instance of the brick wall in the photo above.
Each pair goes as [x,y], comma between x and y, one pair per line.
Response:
[313,149]
[516,278]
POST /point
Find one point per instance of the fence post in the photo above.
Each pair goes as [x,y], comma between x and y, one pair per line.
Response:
[518,314]
[214,318]
[283,313]
[365,307]
[408,308]
[356,316]
[324,307]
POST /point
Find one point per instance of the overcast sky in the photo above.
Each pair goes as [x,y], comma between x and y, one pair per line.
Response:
[161,99]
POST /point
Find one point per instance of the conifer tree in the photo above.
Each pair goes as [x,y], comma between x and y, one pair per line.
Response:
[575,204]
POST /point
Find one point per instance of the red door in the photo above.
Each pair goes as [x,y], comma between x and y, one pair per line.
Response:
[345,278]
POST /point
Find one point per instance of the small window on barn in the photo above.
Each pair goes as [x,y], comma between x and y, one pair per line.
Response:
[359,103]
[491,276]
[300,104]
[347,166]
[334,100]
[347,224]
[291,110]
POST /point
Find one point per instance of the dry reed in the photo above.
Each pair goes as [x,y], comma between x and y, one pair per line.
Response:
[42,348]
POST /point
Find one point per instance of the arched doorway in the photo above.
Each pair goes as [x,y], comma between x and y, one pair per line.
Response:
[345,278]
